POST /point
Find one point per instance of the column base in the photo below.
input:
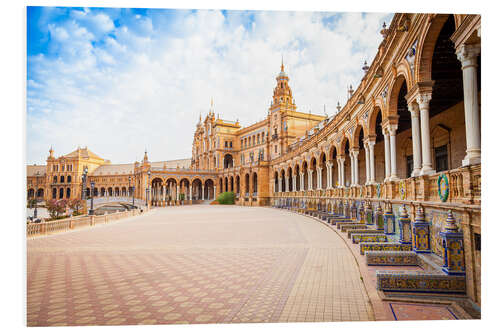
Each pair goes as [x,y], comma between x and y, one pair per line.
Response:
[427,171]
[471,160]
[416,172]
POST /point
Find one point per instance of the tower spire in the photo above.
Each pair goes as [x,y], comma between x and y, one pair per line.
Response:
[282,66]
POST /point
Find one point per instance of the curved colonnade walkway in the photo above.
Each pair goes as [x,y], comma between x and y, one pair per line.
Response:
[197,264]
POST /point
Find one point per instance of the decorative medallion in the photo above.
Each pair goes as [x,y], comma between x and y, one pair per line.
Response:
[402,190]
[379,190]
[443,187]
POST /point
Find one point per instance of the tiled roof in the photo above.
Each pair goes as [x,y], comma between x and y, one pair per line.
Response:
[84,153]
[32,170]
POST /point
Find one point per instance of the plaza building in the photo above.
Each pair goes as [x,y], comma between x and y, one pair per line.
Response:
[406,145]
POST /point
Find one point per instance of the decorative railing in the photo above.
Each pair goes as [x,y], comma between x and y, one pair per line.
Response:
[457,186]
[63,225]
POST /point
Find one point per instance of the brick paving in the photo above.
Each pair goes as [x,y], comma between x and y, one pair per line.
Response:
[197,264]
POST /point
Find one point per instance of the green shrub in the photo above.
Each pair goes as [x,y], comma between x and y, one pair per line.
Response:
[226,198]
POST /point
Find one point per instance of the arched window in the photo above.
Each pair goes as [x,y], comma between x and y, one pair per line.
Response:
[68,193]
[68,179]
[62,179]
[61,193]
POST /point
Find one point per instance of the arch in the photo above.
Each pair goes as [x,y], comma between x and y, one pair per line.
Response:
[110,192]
[247,184]
[231,184]
[425,47]
[228,161]
[54,193]
[117,191]
[209,189]
[372,120]
[297,176]
[61,193]
[276,181]
[96,192]
[344,145]
[289,173]
[237,181]
[103,191]
[254,184]
[124,191]
[283,180]
[226,183]
[31,193]
[40,193]
[196,184]
[324,171]
[304,167]
[68,179]
[393,98]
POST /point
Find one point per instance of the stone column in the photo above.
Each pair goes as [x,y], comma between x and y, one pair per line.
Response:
[178,192]
[467,54]
[352,167]
[301,181]
[415,140]
[387,152]
[367,163]
[203,192]
[294,183]
[279,184]
[309,179]
[191,192]
[215,192]
[371,146]
[355,167]
[329,175]
[341,171]
[423,103]
[287,179]
[319,177]
[394,170]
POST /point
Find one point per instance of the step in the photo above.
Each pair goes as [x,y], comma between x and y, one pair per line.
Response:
[340,224]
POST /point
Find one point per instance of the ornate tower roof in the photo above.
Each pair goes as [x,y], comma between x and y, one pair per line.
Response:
[282,92]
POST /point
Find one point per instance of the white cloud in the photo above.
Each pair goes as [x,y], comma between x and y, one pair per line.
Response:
[119,89]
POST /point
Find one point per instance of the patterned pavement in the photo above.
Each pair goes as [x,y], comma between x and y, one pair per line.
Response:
[197,264]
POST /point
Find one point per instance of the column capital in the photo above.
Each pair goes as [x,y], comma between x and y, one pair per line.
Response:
[329,164]
[354,151]
[414,111]
[340,159]
[423,100]
[467,54]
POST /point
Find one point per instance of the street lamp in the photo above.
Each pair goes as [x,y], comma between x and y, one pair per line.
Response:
[133,197]
[148,188]
[91,212]
[84,182]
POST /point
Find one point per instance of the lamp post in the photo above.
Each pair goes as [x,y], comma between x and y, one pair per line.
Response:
[84,183]
[133,197]
[148,188]
[129,178]
[91,212]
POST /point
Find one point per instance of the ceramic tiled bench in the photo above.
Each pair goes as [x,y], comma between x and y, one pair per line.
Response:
[391,258]
[368,238]
[363,230]
[409,281]
[393,246]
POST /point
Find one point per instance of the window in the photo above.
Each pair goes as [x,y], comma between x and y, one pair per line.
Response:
[68,179]
[477,242]
[62,179]
[225,144]
[55,179]
[230,144]
[276,149]
[441,154]
[62,167]
[409,165]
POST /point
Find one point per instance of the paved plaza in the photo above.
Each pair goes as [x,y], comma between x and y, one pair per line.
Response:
[195,264]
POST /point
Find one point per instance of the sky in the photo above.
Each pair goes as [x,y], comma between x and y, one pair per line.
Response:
[120,81]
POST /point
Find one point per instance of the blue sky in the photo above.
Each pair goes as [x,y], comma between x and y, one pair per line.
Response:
[119,80]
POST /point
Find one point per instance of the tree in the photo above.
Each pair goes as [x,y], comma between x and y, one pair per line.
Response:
[56,207]
[32,203]
[75,205]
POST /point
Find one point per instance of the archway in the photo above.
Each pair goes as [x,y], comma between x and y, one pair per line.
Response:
[254,182]
[209,189]
[228,161]
[39,193]
[197,190]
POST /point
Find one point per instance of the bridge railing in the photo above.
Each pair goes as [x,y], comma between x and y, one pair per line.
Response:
[71,223]
[103,200]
